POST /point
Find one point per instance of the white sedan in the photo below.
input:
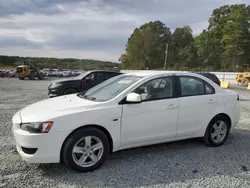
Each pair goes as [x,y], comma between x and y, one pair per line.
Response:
[126,111]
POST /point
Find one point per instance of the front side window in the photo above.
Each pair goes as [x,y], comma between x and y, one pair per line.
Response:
[110,88]
[91,77]
[96,77]
[193,86]
[156,89]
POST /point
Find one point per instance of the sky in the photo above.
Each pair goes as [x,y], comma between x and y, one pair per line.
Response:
[91,29]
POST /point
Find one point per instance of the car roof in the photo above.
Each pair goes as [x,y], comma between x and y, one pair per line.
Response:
[153,74]
[108,71]
[156,73]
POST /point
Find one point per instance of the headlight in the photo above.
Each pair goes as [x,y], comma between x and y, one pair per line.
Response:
[54,85]
[39,127]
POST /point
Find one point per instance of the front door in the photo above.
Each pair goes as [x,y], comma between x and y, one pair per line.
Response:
[89,81]
[154,119]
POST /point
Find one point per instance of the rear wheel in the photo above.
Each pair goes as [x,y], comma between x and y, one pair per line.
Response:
[70,91]
[86,149]
[21,78]
[245,82]
[41,76]
[217,131]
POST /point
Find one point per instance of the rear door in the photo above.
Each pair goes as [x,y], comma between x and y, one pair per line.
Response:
[197,103]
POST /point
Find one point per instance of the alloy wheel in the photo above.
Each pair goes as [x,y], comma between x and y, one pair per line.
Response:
[218,131]
[87,151]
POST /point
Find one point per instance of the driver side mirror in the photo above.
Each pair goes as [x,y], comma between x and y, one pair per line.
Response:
[133,98]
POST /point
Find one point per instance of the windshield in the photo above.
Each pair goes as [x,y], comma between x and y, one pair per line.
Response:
[110,88]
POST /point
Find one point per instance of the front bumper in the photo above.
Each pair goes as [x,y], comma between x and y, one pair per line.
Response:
[46,147]
[54,92]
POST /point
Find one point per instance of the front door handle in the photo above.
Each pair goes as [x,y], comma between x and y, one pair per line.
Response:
[211,101]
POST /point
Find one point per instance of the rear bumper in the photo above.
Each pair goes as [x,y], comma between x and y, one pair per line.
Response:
[235,115]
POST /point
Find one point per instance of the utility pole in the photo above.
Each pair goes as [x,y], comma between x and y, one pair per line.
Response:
[235,48]
[166,57]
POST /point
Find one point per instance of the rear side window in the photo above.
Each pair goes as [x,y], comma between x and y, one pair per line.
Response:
[214,78]
[211,76]
[191,86]
[111,74]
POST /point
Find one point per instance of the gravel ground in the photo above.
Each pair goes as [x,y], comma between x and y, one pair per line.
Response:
[179,164]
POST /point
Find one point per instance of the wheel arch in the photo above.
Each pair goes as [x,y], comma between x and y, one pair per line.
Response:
[106,132]
[223,115]
[70,88]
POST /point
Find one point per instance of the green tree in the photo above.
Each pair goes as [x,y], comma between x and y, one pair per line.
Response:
[208,50]
[146,47]
[70,63]
[230,26]
[183,47]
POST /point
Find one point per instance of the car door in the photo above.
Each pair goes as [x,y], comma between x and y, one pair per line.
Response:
[155,118]
[197,103]
[88,81]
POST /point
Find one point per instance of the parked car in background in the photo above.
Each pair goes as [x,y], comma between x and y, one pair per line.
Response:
[2,73]
[126,111]
[7,73]
[65,73]
[210,76]
[76,73]
[80,83]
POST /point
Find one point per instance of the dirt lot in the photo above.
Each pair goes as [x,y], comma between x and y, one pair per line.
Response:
[178,164]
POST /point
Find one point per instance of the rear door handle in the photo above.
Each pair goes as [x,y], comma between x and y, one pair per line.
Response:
[171,106]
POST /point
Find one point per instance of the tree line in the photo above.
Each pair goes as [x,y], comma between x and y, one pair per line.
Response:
[67,63]
[223,46]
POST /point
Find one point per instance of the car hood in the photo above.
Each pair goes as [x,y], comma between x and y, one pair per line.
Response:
[56,83]
[54,107]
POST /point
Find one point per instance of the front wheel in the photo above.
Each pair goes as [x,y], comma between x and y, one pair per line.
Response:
[246,82]
[217,131]
[31,76]
[86,149]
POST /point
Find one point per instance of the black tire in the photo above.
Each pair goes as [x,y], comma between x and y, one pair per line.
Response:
[41,76]
[246,82]
[208,135]
[70,91]
[67,155]
[31,76]
[21,78]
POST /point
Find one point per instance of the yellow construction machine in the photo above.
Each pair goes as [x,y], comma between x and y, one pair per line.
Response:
[243,78]
[28,70]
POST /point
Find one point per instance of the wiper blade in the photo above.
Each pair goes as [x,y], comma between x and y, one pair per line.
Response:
[82,92]
[82,95]
[89,98]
